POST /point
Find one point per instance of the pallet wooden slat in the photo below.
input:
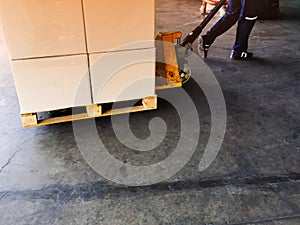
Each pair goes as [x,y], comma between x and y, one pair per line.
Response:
[29,120]
[94,110]
[168,86]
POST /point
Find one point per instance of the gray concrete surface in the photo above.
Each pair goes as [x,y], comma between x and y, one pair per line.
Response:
[255,178]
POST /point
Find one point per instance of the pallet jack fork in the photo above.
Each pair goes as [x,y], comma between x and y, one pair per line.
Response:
[171,64]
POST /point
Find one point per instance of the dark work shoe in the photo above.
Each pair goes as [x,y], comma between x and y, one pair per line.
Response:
[235,55]
[203,46]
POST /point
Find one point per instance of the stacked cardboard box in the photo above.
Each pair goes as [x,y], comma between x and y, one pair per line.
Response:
[67,53]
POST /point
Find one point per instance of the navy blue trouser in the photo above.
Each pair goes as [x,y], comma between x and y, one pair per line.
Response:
[238,10]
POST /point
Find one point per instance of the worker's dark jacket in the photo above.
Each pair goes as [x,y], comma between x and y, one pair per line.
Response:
[251,8]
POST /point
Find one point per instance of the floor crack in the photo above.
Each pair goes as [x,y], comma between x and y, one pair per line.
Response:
[9,160]
[3,195]
[14,154]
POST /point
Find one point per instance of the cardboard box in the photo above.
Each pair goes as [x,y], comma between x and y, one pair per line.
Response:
[39,28]
[48,45]
[125,75]
[113,23]
[52,83]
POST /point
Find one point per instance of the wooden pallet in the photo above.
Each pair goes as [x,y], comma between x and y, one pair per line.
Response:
[91,111]
[168,86]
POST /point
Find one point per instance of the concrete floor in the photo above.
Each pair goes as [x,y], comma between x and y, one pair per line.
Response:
[255,179]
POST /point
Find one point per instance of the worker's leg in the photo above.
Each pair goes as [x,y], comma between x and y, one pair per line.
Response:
[244,29]
[246,23]
[225,23]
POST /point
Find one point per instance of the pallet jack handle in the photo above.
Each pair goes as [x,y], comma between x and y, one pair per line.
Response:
[192,36]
